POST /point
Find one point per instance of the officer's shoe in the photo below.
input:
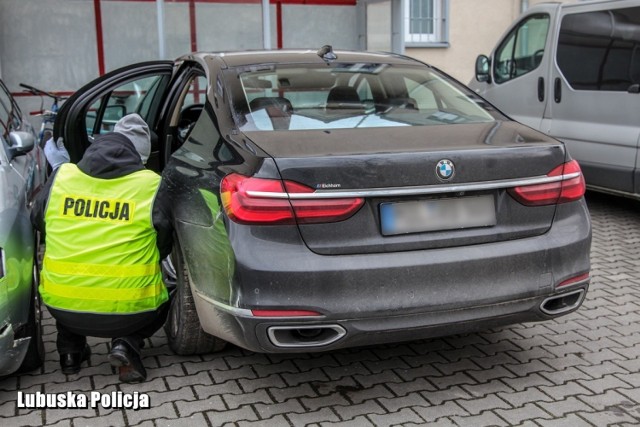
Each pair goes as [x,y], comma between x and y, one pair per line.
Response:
[72,362]
[128,362]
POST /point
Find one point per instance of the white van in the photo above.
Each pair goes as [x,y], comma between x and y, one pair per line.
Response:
[573,72]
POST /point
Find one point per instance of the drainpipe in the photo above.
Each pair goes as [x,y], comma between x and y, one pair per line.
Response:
[266,25]
[160,15]
[397,27]
[524,5]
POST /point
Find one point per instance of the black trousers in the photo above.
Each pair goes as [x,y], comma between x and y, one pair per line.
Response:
[72,337]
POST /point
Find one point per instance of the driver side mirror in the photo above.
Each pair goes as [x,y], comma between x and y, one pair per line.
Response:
[20,143]
[483,67]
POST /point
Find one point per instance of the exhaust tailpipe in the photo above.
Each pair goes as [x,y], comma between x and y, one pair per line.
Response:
[296,336]
[562,303]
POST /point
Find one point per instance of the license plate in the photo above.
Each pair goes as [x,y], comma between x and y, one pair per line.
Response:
[437,214]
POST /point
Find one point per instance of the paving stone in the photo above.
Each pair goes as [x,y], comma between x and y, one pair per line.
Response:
[358,368]
[492,387]
[571,388]
[608,382]
[165,410]
[189,408]
[401,417]
[404,388]
[418,372]
[572,420]
[206,391]
[115,418]
[236,400]
[518,399]
[314,403]
[611,417]
[477,406]
[33,418]
[384,377]
[452,380]
[275,368]
[322,415]
[611,398]
[368,407]
[305,377]
[454,393]
[559,408]
[266,411]
[282,394]
[277,421]
[444,410]
[190,421]
[409,401]
[484,419]
[201,378]
[222,376]
[529,411]
[251,385]
[219,418]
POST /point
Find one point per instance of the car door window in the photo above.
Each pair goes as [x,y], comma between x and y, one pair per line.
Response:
[522,51]
[189,106]
[135,96]
[596,51]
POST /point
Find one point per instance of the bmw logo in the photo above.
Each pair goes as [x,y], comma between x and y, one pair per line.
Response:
[445,169]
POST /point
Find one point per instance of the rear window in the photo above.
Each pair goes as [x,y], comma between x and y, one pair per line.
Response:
[343,96]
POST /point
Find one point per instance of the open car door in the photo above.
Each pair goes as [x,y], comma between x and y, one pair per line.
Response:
[95,108]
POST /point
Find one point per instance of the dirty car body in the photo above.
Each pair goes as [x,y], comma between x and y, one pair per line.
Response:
[22,174]
[325,203]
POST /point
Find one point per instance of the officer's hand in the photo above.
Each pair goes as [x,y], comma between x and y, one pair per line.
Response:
[55,152]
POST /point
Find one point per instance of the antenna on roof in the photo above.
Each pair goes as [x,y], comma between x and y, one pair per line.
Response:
[326,53]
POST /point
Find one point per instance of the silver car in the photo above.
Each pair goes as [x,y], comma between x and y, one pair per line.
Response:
[22,173]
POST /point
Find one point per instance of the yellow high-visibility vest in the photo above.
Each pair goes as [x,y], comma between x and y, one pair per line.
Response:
[101,254]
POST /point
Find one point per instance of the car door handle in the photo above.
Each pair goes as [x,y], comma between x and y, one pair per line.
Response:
[557,90]
[541,89]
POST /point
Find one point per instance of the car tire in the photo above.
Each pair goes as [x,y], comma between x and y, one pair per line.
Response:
[35,352]
[183,329]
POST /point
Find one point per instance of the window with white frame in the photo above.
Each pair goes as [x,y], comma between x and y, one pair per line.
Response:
[425,22]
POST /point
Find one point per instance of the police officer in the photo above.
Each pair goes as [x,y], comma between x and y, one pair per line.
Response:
[107,224]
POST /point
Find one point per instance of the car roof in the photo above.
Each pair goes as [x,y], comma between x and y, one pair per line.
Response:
[309,56]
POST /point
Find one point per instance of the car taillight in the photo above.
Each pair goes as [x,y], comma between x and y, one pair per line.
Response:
[570,188]
[248,200]
[575,279]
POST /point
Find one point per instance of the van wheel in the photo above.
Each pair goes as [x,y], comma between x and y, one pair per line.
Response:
[35,353]
[182,327]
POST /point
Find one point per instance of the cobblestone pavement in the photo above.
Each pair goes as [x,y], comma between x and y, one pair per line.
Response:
[581,370]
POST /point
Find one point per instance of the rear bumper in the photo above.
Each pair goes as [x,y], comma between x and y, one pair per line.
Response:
[378,298]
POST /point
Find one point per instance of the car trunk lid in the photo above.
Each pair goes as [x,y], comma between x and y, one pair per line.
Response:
[394,169]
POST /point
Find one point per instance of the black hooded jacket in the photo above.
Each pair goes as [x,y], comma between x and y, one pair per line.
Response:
[112,156]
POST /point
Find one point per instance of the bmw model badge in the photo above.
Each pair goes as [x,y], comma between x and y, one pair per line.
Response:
[445,169]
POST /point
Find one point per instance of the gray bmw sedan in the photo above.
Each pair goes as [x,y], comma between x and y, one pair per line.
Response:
[332,199]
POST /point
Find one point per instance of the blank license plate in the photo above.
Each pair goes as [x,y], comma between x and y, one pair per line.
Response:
[437,214]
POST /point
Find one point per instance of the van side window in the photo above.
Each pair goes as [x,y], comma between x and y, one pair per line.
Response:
[600,50]
[522,50]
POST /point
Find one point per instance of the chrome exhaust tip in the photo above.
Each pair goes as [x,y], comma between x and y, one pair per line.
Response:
[298,336]
[562,303]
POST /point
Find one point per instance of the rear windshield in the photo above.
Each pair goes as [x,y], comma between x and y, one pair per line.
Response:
[343,96]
